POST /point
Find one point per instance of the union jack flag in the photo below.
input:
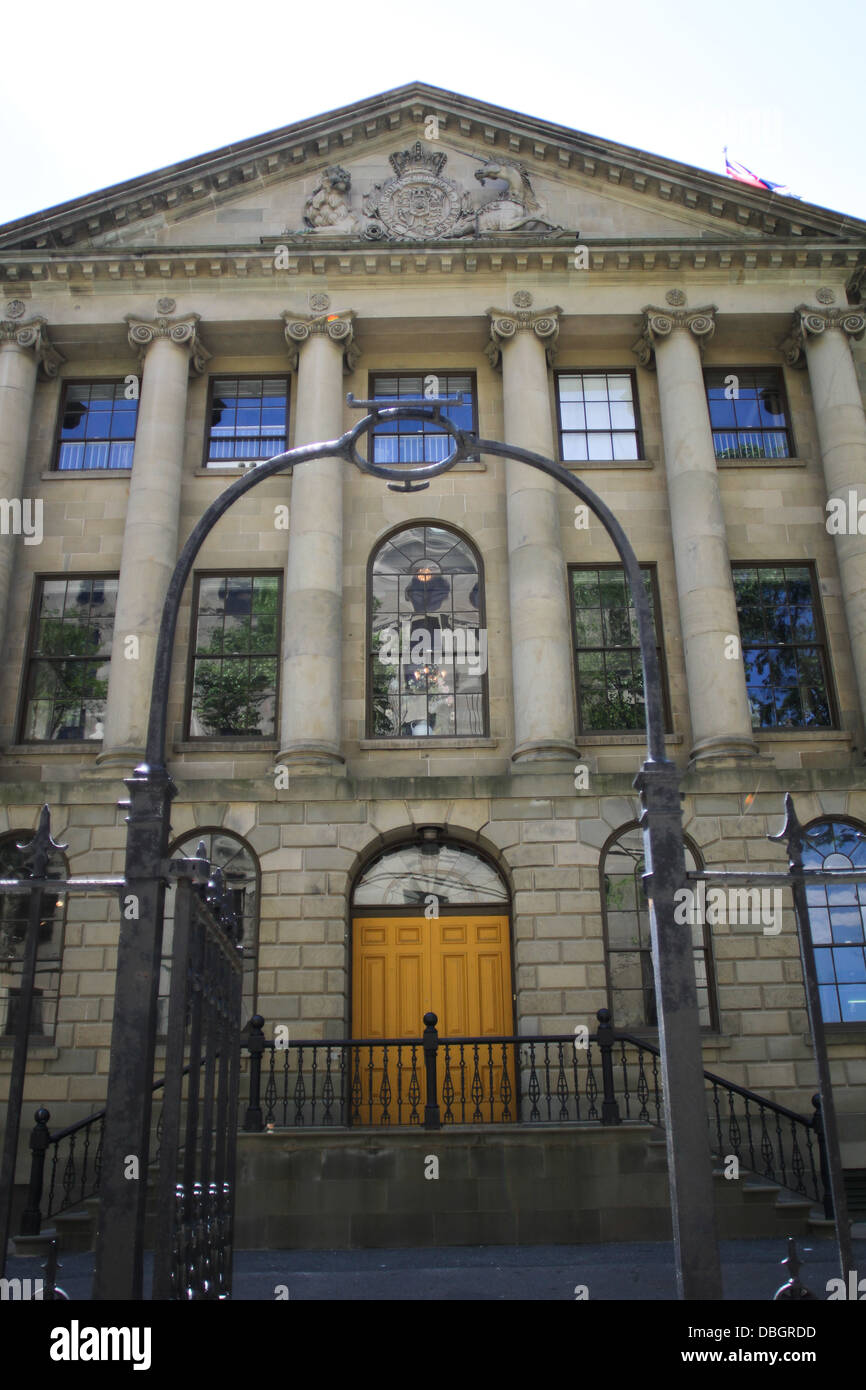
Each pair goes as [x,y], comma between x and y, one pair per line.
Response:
[738,171]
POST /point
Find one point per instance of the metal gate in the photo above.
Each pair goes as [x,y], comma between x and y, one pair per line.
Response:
[195,1188]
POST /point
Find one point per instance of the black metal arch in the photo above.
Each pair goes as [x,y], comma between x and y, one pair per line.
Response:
[401,480]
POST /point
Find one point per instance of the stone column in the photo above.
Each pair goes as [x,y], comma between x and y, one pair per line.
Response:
[24,347]
[541,634]
[721,721]
[311,698]
[150,537]
[820,339]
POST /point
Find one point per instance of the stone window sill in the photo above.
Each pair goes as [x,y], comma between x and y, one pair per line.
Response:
[231,472]
[38,750]
[227,745]
[577,465]
[65,475]
[780,735]
[617,740]
[43,1048]
[763,463]
[841,1033]
[418,744]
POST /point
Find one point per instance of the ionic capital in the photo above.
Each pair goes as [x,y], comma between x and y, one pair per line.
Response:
[505,324]
[340,328]
[659,324]
[809,322]
[30,335]
[182,331]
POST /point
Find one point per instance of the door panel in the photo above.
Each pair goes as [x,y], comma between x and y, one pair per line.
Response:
[458,967]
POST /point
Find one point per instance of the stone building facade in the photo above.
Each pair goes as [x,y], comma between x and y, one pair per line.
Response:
[690,346]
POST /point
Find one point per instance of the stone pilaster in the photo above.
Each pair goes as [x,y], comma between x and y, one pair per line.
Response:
[311,687]
[523,342]
[168,347]
[721,721]
[820,340]
[24,349]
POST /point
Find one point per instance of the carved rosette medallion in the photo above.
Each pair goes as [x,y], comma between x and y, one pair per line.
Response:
[340,328]
[32,335]
[15,308]
[809,322]
[521,299]
[166,306]
[675,297]
[320,303]
[825,295]
[183,332]
[418,202]
[544,323]
[661,323]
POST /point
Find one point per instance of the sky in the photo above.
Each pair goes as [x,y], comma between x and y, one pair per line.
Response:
[101,92]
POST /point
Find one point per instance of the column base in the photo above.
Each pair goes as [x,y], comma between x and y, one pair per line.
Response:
[110,759]
[312,759]
[726,750]
[528,756]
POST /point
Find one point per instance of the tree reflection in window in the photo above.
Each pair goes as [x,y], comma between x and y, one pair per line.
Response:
[836,919]
[784,653]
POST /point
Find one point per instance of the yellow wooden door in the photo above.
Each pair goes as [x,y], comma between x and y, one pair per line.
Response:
[460,968]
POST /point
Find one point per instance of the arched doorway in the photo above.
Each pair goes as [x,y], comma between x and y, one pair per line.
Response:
[430,931]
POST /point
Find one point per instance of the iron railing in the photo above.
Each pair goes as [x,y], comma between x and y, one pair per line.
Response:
[605,1077]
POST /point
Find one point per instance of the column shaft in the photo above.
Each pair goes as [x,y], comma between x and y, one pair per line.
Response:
[842,437]
[541,635]
[720,715]
[150,537]
[311,695]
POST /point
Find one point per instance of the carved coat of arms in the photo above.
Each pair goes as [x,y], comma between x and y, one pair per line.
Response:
[418,203]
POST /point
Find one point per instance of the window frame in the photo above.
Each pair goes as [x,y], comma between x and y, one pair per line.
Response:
[24,683]
[789,425]
[65,384]
[46,1038]
[253,740]
[422,739]
[375,372]
[651,1029]
[822,640]
[851,1028]
[215,466]
[652,568]
[638,428]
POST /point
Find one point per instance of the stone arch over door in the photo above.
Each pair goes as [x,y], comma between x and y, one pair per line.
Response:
[431,930]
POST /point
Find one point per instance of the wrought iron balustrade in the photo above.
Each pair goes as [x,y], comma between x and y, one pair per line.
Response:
[604,1078]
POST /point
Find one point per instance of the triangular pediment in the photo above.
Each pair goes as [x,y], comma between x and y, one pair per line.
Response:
[541,181]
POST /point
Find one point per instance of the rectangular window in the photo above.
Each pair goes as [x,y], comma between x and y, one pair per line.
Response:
[748,413]
[249,420]
[607,650]
[597,416]
[68,661]
[418,441]
[784,648]
[97,426]
[233,690]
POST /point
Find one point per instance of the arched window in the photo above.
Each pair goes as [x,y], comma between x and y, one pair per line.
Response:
[836,918]
[426,635]
[408,875]
[241,869]
[631,978]
[14,915]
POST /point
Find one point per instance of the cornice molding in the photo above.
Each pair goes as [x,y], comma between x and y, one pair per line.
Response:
[182,331]
[512,253]
[811,321]
[340,328]
[506,323]
[659,324]
[31,335]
